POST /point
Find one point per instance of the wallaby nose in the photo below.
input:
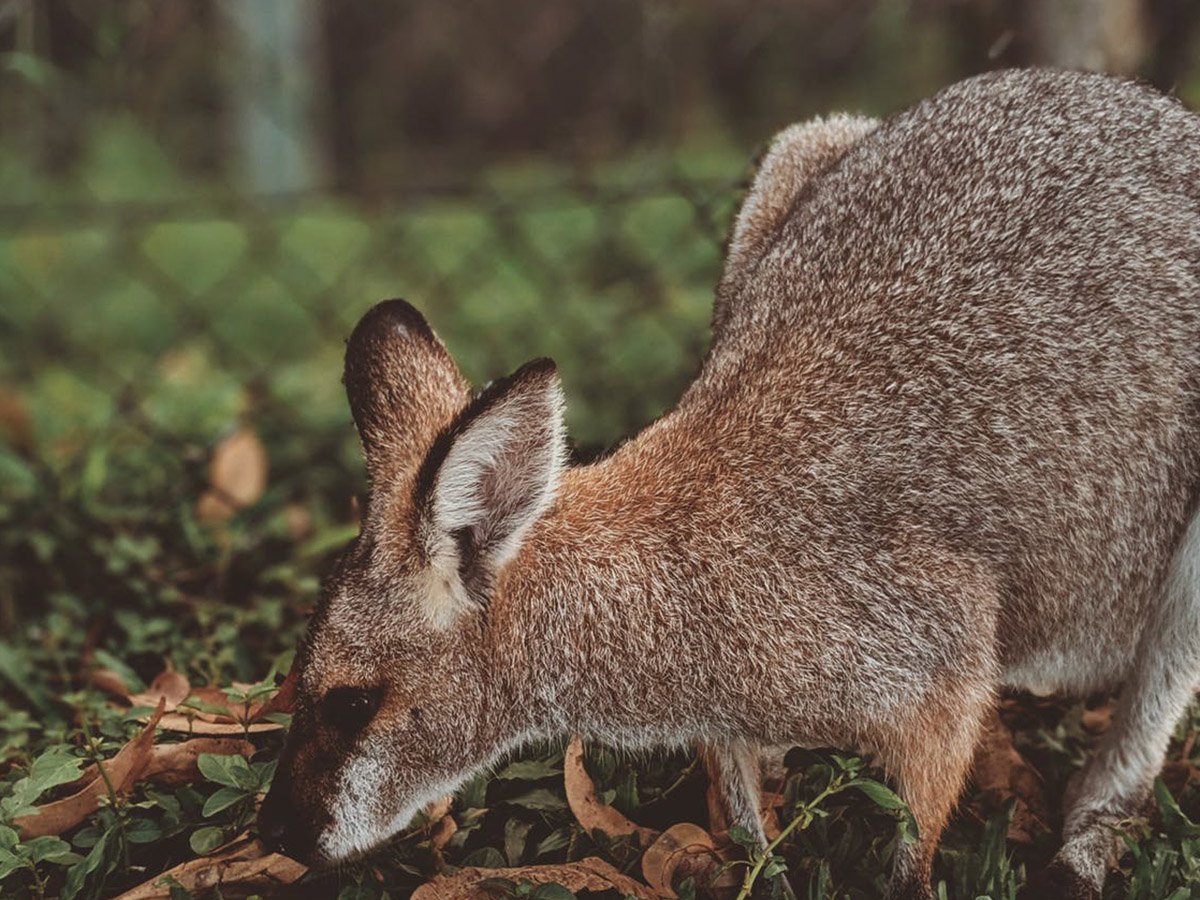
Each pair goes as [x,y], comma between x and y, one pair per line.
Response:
[272,832]
[281,828]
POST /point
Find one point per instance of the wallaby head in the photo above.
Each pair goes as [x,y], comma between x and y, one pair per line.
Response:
[397,704]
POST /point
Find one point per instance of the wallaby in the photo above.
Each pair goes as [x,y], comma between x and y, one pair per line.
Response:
[946,441]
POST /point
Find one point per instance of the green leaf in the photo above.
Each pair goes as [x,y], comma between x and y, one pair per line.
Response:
[178,891]
[79,873]
[54,767]
[551,891]
[742,837]
[9,863]
[47,848]
[229,770]
[539,799]
[881,794]
[528,770]
[555,840]
[223,799]
[775,866]
[205,840]
[516,832]
[143,831]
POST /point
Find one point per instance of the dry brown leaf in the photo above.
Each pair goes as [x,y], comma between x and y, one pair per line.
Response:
[15,424]
[586,805]
[237,476]
[239,869]
[169,686]
[174,764]
[1000,769]
[771,801]
[439,808]
[195,725]
[223,716]
[299,521]
[718,820]
[592,875]
[122,771]
[682,851]
[109,681]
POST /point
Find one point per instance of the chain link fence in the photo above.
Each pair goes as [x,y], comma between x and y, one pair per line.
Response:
[189,228]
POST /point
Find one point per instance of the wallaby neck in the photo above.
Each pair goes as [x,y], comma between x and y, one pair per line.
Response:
[604,611]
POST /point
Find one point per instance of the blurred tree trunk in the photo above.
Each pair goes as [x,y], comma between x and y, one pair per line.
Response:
[1101,35]
[273,66]
[1173,24]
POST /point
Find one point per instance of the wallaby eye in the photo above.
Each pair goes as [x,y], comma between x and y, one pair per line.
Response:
[350,709]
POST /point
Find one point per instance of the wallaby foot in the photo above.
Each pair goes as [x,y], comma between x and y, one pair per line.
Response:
[1117,781]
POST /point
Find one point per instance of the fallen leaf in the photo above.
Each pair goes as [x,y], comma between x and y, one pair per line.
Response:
[109,681]
[237,476]
[718,821]
[196,725]
[682,851]
[299,521]
[220,715]
[238,869]
[771,801]
[1000,769]
[439,809]
[175,764]
[170,686]
[590,812]
[119,774]
[592,875]
[15,423]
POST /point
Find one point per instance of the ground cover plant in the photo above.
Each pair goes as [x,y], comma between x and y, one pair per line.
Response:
[178,469]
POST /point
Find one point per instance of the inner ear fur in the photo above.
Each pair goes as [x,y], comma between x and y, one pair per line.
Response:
[403,388]
[487,479]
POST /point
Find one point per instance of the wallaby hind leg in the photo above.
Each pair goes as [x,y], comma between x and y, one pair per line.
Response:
[737,773]
[1118,779]
[930,765]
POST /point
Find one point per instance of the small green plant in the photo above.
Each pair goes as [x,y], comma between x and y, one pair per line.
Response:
[241,782]
[1163,863]
[841,773]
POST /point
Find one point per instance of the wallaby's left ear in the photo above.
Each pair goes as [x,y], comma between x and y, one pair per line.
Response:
[487,480]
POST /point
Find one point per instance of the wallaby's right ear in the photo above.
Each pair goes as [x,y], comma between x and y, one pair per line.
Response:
[403,388]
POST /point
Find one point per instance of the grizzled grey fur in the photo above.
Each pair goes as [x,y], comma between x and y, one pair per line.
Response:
[946,440]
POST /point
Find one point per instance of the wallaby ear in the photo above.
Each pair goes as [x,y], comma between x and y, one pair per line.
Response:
[403,387]
[486,481]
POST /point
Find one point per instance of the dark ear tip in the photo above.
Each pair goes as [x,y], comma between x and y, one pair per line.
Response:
[394,318]
[542,367]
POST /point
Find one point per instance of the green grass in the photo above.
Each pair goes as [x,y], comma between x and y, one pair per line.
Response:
[137,332]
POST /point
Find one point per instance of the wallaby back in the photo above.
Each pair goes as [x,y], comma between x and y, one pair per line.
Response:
[983,322]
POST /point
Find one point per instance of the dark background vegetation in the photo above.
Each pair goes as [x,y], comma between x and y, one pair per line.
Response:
[199,200]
